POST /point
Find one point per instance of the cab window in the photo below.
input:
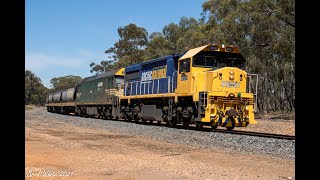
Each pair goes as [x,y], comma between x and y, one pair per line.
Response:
[218,60]
[231,62]
[204,61]
[184,65]
[119,80]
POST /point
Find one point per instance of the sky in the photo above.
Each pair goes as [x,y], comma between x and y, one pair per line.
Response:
[62,37]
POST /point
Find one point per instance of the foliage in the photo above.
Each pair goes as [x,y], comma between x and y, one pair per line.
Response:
[264,30]
[35,92]
[64,82]
[104,66]
[176,38]
[127,51]
[158,46]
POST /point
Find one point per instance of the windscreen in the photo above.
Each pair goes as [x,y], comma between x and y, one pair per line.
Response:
[218,60]
[119,80]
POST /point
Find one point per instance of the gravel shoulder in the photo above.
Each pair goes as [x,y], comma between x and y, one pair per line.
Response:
[70,147]
[277,123]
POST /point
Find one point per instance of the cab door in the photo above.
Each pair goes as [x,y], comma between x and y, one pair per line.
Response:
[184,76]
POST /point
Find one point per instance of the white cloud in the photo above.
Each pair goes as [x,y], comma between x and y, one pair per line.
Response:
[47,66]
[41,61]
[85,53]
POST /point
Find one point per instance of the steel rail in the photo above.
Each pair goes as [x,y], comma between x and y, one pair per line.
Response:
[259,134]
[208,129]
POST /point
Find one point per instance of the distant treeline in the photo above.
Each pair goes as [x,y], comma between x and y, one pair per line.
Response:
[264,30]
[35,91]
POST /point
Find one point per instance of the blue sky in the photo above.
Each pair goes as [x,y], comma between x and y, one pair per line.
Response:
[62,37]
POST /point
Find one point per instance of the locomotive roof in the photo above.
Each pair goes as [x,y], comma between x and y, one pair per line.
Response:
[194,51]
[99,76]
[160,59]
[136,67]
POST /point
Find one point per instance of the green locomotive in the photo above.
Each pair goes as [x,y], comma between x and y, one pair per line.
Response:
[94,96]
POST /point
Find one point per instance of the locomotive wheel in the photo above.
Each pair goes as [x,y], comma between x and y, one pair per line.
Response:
[199,126]
[215,126]
[185,125]
[229,128]
[143,121]
[173,123]
[127,119]
[158,122]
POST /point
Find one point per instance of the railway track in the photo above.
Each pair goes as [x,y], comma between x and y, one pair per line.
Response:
[259,134]
[209,129]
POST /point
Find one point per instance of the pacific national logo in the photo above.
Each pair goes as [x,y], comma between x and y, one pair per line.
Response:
[156,73]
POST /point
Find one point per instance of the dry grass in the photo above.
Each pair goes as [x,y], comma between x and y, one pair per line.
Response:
[276,116]
[28,107]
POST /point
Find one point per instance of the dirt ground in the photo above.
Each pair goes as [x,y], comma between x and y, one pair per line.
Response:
[62,151]
[276,126]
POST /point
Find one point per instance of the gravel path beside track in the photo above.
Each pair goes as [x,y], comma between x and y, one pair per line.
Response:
[197,139]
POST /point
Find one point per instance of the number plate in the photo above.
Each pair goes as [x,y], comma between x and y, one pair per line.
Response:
[230,84]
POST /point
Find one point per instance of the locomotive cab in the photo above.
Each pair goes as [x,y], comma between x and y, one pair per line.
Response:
[213,77]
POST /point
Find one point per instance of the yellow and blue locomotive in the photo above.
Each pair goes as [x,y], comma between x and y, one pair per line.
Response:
[205,86]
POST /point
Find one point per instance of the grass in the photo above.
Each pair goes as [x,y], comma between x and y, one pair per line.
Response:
[28,107]
[276,115]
